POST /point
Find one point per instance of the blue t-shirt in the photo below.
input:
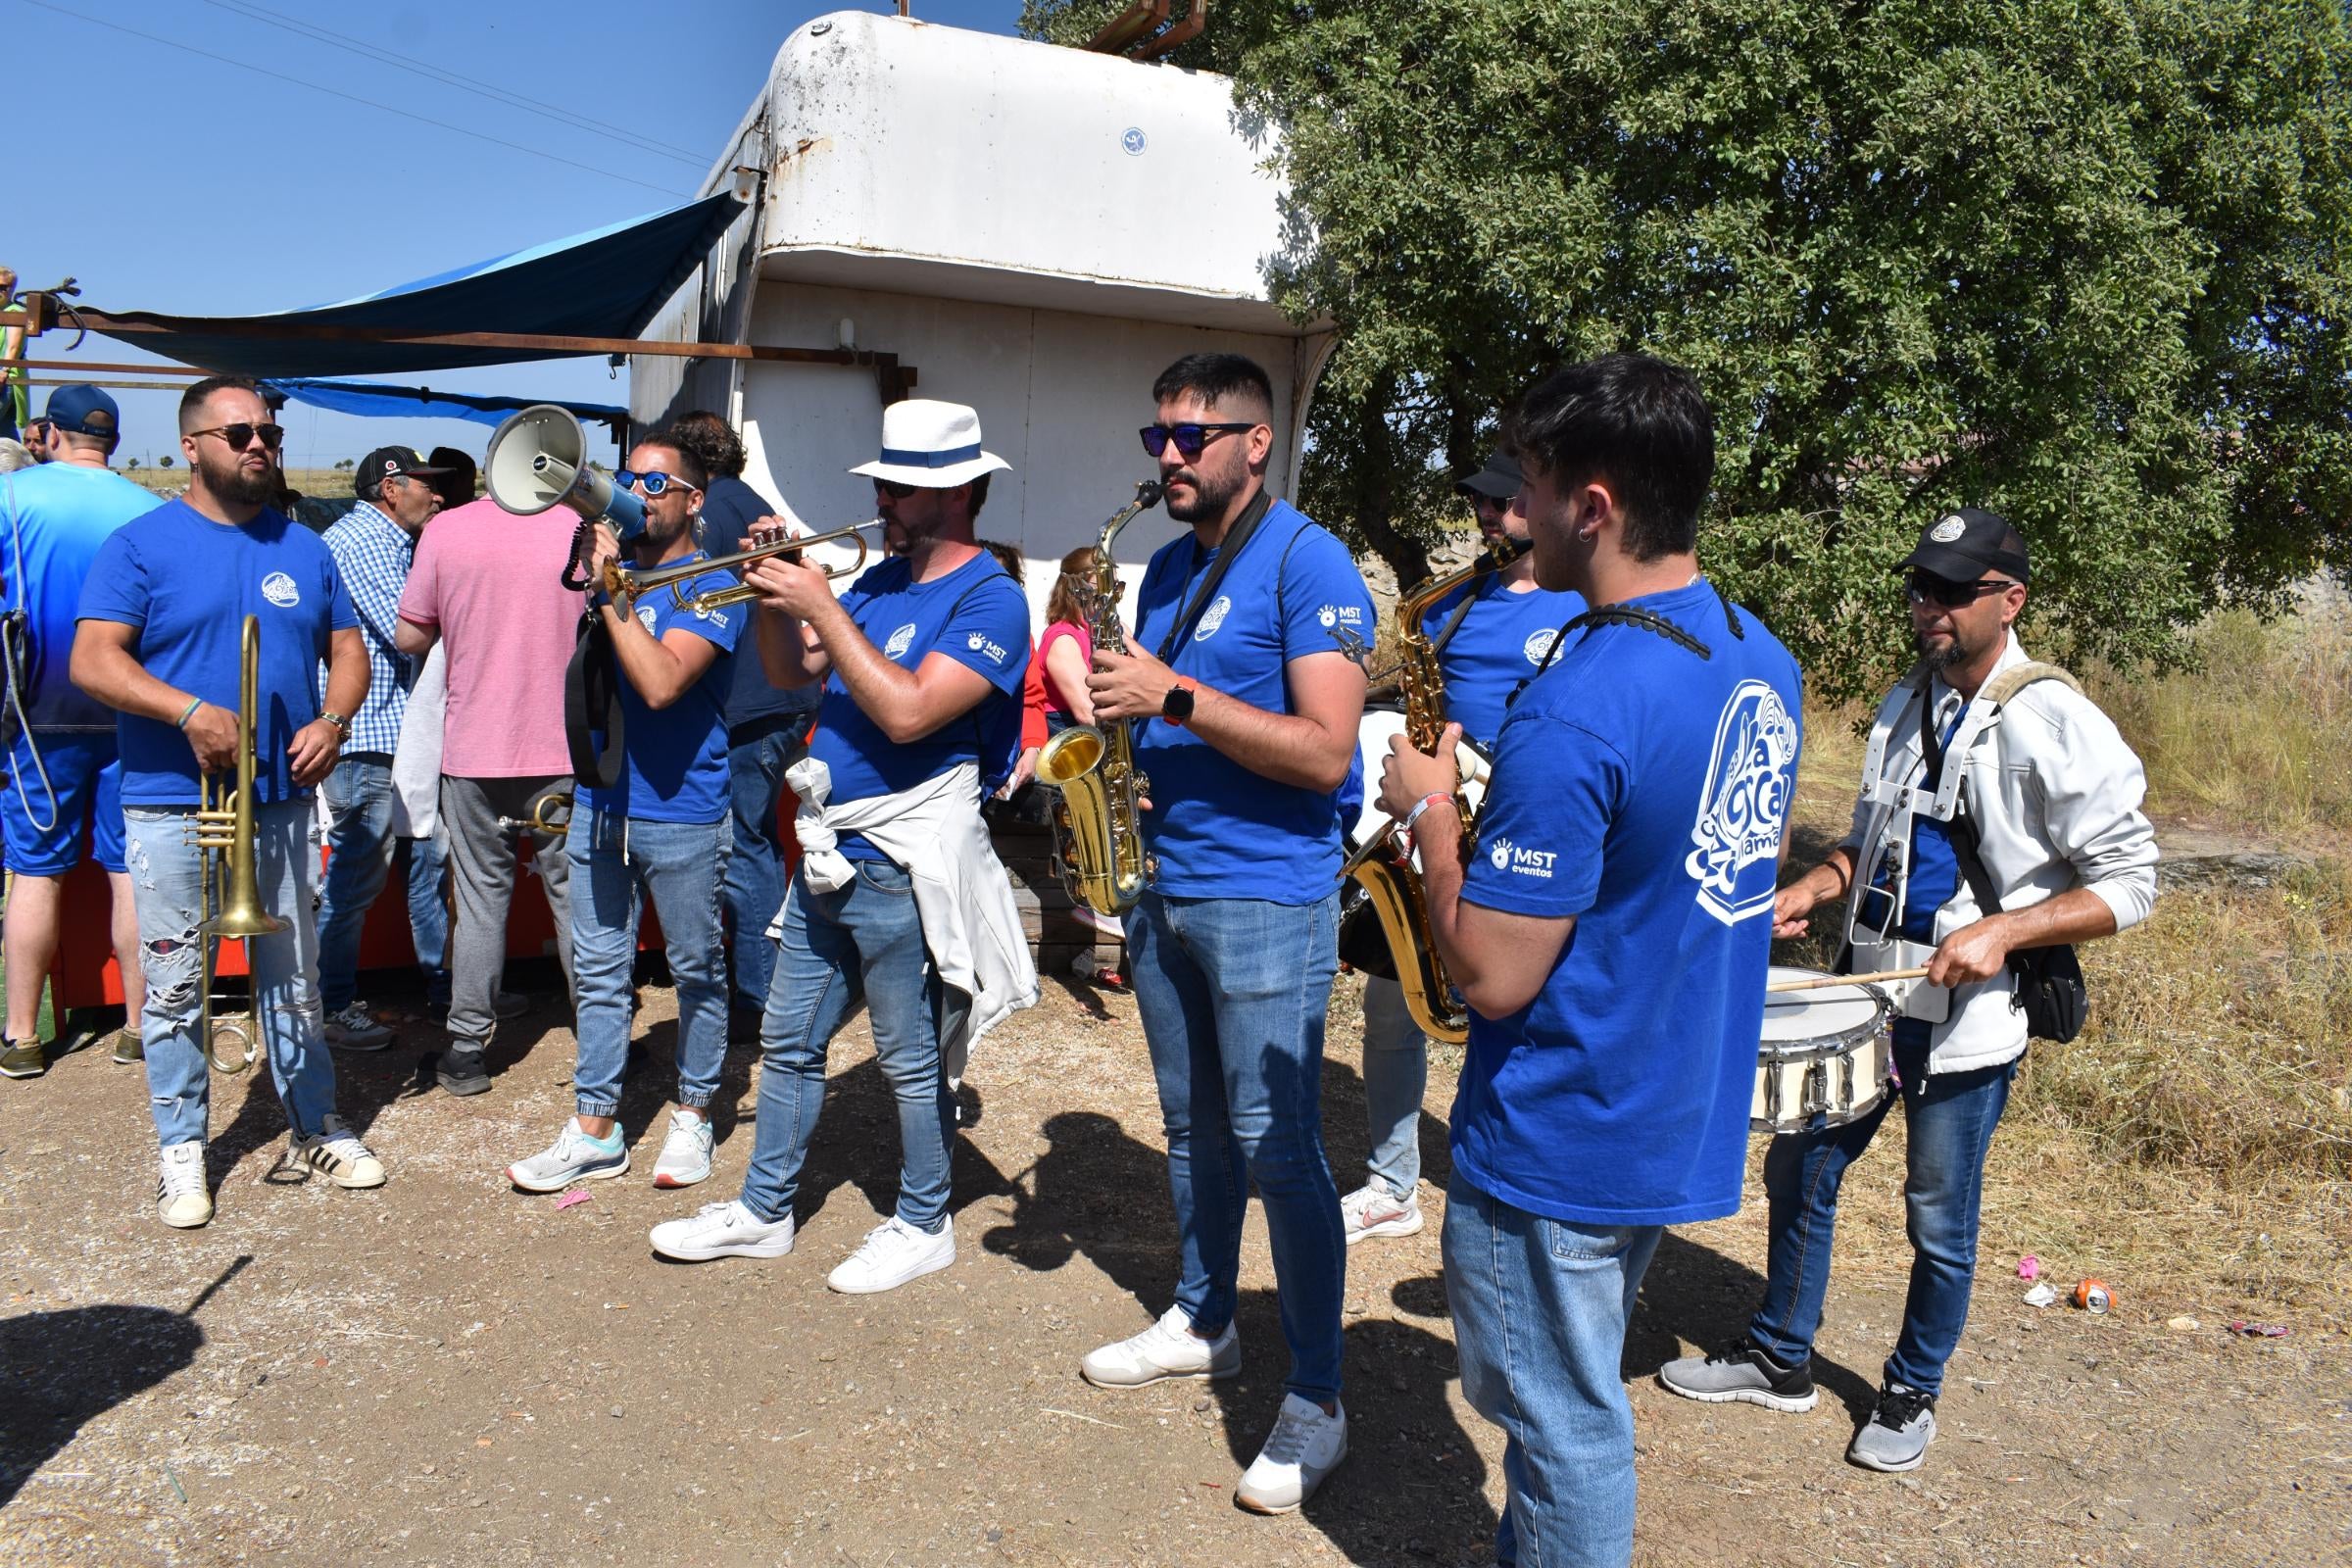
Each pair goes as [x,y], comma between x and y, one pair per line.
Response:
[675,757]
[976,615]
[1219,830]
[55,517]
[1496,649]
[729,509]
[187,583]
[1643,791]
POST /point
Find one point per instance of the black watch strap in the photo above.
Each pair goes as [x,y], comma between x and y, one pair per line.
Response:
[1177,705]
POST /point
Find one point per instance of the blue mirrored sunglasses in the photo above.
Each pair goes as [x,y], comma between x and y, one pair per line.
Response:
[652,483]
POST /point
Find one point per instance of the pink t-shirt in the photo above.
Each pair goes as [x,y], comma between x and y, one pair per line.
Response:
[487,580]
[1057,701]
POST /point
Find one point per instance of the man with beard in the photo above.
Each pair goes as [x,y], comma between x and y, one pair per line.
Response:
[1491,636]
[160,637]
[1245,684]
[2048,808]
[923,662]
[660,830]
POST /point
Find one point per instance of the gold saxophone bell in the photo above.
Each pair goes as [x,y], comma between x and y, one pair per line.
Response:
[222,827]
[637,581]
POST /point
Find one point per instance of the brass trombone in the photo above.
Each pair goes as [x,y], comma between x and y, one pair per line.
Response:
[222,827]
[636,581]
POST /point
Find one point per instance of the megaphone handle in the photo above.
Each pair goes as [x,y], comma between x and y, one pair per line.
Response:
[575,576]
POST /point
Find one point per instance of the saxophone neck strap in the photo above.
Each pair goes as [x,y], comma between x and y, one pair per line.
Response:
[1648,620]
[1229,551]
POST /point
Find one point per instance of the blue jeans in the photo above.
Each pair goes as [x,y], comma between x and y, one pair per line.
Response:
[360,848]
[167,879]
[1232,994]
[755,767]
[1539,1311]
[860,941]
[1951,1117]
[614,861]
[1395,1076]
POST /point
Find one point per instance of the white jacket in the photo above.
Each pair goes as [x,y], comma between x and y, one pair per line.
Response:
[2056,797]
[963,896]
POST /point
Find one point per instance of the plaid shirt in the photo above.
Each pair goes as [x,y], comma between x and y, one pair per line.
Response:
[374,554]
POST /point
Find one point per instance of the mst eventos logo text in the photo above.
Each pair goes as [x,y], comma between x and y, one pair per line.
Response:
[1523,862]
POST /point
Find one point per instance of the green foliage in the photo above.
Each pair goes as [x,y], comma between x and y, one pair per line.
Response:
[2080,261]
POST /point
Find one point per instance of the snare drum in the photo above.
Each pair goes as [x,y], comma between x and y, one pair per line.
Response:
[1825,1054]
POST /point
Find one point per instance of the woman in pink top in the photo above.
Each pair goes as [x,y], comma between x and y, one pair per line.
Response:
[1067,648]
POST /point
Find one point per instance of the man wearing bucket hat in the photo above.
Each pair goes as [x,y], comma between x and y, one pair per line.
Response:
[2042,844]
[1491,637]
[899,900]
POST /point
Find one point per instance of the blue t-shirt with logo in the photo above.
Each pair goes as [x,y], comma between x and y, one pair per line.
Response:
[976,615]
[729,509]
[1217,829]
[55,517]
[1643,791]
[1496,649]
[187,583]
[675,757]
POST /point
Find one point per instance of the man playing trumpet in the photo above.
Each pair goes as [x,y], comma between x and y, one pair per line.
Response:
[161,618]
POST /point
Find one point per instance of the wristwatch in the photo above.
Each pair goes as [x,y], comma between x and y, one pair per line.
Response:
[1177,706]
[342,724]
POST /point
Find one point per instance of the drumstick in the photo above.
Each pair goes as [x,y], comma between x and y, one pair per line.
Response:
[1826,981]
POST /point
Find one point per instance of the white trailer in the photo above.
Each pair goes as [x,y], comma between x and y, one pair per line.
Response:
[1034,230]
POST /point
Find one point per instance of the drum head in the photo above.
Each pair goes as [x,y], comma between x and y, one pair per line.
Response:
[1831,1012]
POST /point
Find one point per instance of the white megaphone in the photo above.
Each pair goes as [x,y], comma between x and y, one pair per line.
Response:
[539,459]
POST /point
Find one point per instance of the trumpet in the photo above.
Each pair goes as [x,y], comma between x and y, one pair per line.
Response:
[551,817]
[637,581]
[221,826]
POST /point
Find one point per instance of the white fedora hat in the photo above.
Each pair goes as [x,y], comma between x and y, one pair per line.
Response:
[933,445]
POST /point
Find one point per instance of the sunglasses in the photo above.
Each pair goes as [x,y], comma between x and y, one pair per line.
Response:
[894,489]
[240,435]
[1923,588]
[1190,439]
[654,482]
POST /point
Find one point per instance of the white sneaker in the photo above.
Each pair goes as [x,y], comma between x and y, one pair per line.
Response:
[1168,1349]
[891,1253]
[180,1200]
[722,1230]
[685,1158]
[1304,1447]
[354,1028]
[1373,1211]
[572,1157]
[336,1152]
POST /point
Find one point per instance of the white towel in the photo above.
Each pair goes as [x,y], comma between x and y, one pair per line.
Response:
[416,759]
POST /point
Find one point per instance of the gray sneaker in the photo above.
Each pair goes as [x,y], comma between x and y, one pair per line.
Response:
[1744,1373]
[1897,1436]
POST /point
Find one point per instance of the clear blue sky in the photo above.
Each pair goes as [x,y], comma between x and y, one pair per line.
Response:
[168,180]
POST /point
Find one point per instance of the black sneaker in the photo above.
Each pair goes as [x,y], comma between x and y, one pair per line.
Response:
[1897,1436]
[1742,1373]
[463,1070]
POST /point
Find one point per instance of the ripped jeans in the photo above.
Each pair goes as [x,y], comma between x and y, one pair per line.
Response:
[166,877]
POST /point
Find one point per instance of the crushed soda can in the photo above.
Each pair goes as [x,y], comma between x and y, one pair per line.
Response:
[2029,1267]
[2043,1295]
[2093,1295]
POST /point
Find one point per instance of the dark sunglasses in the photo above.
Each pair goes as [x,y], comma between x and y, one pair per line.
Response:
[1190,439]
[240,435]
[895,490]
[653,481]
[1925,588]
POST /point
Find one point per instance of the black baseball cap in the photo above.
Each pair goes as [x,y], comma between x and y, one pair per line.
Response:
[385,461]
[1498,480]
[86,411]
[1964,544]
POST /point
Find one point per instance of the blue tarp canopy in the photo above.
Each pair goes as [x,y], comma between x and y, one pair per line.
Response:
[605,284]
[376,399]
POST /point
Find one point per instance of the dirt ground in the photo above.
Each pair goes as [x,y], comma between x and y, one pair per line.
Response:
[446,1371]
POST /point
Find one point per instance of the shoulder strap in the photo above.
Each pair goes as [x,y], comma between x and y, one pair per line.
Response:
[1237,538]
[1454,622]
[2009,683]
[1613,615]
[1964,834]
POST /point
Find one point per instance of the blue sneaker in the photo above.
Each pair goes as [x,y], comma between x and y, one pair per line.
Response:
[575,1156]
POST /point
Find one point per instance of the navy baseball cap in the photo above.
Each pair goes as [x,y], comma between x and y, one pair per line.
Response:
[385,461]
[1964,544]
[1498,480]
[86,411]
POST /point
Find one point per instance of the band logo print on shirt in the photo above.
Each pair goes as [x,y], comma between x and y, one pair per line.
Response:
[1538,645]
[899,641]
[981,643]
[1509,856]
[1746,803]
[279,590]
[1214,618]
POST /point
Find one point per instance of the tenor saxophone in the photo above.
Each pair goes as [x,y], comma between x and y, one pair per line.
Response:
[1098,839]
[1391,882]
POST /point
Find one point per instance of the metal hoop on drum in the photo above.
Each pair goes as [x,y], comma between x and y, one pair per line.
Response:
[1826,1054]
